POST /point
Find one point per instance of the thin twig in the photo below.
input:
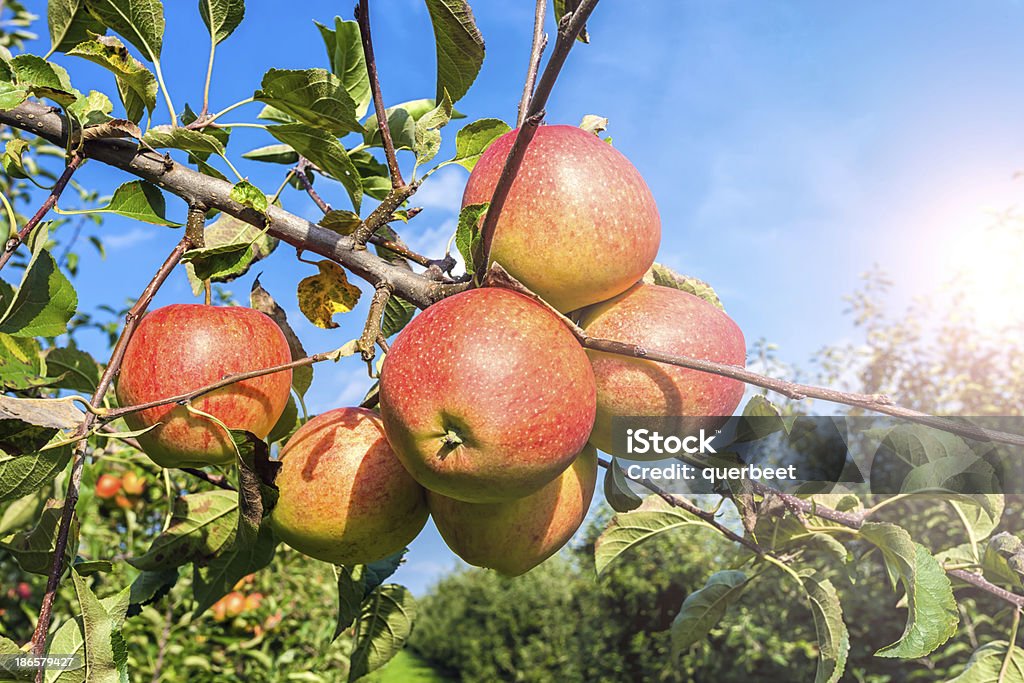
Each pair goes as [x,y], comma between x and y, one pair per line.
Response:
[162,644]
[568,31]
[363,18]
[218,480]
[300,171]
[71,498]
[22,235]
[540,40]
[371,331]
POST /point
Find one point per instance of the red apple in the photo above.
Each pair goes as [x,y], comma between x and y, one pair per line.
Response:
[579,225]
[671,321]
[486,396]
[344,497]
[107,486]
[183,347]
[234,604]
[515,536]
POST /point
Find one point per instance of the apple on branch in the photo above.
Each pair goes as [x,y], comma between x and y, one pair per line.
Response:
[344,497]
[486,396]
[183,347]
[579,224]
[515,536]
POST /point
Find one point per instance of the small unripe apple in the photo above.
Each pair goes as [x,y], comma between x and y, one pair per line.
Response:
[183,347]
[343,495]
[579,225]
[515,536]
[671,321]
[486,396]
[107,486]
[133,484]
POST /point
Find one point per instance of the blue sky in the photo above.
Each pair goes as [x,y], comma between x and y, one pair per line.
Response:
[790,145]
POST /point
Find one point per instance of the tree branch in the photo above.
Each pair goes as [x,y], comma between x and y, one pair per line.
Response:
[78,459]
[371,331]
[540,40]
[194,187]
[363,19]
[14,242]
[568,31]
[300,171]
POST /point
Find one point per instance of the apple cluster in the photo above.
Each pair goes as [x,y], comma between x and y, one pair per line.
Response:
[491,412]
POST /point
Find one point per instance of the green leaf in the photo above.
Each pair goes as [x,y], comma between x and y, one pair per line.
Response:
[7,670]
[397,314]
[467,234]
[428,136]
[43,79]
[51,413]
[132,76]
[460,47]
[247,194]
[324,151]
[981,512]
[348,63]
[101,632]
[33,550]
[12,163]
[138,200]
[73,369]
[402,120]
[473,140]
[24,474]
[140,22]
[21,364]
[213,581]
[201,525]
[704,608]
[11,95]
[221,17]
[666,277]
[341,222]
[273,154]
[89,567]
[380,571]
[232,247]
[628,529]
[150,586]
[92,109]
[261,300]
[257,494]
[192,141]
[987,661]
[372,173]
[617,493]
[1003,560]
[833,637]
[351,591]
[384,625]
[313,96]
[287,423]
[45,301]
[932,615]
[21,512]
[70,24]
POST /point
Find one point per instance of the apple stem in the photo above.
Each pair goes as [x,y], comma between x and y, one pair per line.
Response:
[450,440]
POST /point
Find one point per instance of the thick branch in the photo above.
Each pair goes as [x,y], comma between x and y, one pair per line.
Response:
[568,31]
[363,18]
[48,203]
[540,40]
[71,498]
[195,187]
[371,331]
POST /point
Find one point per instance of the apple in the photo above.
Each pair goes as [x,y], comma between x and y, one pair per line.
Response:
[671,321]
[486,396]
[579,225]
[107,486]
[343,495]
[515,536]
[133,484]
[183,347]
[253,601]
[234,604]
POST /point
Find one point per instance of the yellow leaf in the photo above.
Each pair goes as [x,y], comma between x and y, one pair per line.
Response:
[327,293]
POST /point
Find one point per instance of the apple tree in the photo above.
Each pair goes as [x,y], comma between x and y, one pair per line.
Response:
[500,369]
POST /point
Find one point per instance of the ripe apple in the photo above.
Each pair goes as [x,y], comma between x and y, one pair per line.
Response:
[183,347]
[133,484]
[671,321]
[515,536]
[107,486]
[486,396]
[344,497]
[234,604]
[579,225]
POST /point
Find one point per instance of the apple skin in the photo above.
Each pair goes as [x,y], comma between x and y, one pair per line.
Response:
[500,373]
[344,497]
[579,225]
[515,536]
[182,347]
[671,321]
[107,486]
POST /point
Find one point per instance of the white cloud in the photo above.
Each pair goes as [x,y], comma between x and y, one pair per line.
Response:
[442,190]
[127,239]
